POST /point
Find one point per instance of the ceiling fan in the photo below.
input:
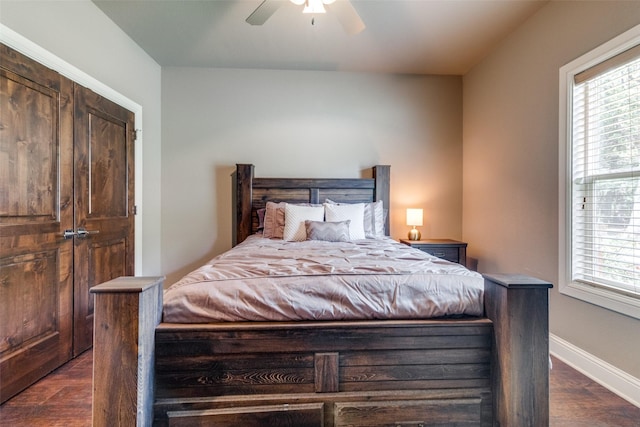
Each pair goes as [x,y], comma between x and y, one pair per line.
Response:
[343,9]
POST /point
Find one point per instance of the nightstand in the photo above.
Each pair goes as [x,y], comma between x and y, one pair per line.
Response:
[451,250]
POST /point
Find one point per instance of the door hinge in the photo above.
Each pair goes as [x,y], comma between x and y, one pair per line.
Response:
[136,132]
[135,209]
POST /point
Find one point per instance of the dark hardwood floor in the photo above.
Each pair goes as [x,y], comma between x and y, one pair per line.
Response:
[61,399]
[64,399]
[577,401]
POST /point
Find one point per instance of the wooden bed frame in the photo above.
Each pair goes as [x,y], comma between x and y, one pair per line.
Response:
[490,371]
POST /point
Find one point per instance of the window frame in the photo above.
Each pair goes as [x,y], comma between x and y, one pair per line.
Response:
[601,296]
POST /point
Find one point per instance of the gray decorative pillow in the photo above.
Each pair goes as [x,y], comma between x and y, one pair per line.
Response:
[328,231]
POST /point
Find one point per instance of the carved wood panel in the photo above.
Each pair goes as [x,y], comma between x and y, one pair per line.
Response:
[107,167]
[423,413]
[29,151]
[107,261]
[33,313]
[294,415]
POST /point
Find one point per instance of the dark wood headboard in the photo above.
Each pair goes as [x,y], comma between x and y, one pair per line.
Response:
[253,193]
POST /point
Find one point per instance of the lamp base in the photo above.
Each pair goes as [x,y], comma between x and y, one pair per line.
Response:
[414,234]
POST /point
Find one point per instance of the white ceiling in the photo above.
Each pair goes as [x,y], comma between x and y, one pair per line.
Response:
[401,36]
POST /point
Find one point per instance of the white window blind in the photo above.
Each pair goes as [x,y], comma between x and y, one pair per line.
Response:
[605,174]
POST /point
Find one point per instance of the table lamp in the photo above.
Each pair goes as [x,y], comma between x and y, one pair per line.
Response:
[414,218]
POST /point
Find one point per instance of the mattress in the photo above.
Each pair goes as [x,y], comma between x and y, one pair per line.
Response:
[273,280]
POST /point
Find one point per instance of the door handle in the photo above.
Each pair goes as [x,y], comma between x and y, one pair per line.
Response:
[68,234]
[84,233]
[81,232]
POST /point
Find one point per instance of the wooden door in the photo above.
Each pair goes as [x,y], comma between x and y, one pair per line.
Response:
[104,202]
[36,206]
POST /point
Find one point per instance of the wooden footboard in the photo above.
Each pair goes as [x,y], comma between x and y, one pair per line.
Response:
[490,371]
[389,372]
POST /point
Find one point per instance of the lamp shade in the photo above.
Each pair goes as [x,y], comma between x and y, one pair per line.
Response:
[414,217]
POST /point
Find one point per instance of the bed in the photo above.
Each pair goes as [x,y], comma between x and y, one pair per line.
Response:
[487,368]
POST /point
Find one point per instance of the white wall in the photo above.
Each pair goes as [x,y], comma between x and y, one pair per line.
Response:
[80,34]
[510,197]
[303,124]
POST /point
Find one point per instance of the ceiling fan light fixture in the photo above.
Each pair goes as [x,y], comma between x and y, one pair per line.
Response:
[301,2]
[343,10]
[314,6]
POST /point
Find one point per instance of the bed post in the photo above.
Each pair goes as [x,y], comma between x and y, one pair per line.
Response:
[127,311]
[244,185]
[382,178]
[518,307]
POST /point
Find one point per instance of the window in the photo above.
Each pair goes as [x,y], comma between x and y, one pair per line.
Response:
[600,185]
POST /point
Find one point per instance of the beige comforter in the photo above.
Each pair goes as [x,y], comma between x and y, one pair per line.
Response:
[272,280]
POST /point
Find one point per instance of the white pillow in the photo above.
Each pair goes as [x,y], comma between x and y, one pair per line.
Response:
[353,212]
[294,218]
[374,218]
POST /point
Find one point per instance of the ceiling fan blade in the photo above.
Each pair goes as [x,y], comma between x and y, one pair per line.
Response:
[348,16]
[263,12]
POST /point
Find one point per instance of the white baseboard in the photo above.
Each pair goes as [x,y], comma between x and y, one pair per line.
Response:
[605,374]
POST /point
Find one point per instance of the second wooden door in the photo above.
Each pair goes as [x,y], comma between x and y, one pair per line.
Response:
[103,192]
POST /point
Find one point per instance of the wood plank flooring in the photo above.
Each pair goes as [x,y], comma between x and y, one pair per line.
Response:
[61,399]
[64,399]
[577,401]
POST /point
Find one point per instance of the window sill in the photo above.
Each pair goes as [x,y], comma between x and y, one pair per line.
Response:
[610,300]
